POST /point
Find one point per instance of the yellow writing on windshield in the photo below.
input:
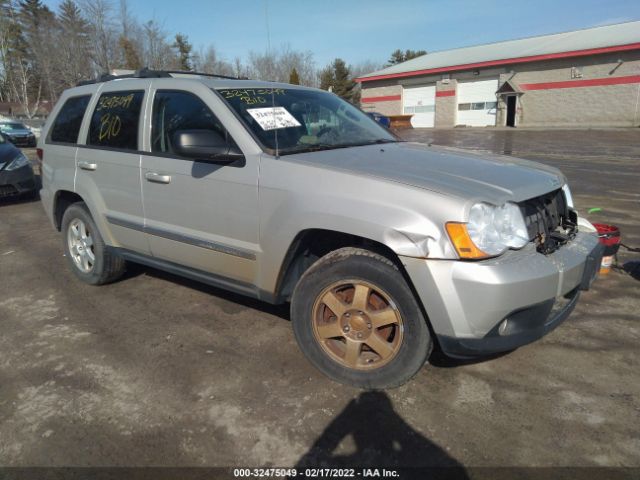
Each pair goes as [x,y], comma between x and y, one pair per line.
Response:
[252,96]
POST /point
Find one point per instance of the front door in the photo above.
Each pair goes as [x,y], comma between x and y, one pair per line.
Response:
[198,214]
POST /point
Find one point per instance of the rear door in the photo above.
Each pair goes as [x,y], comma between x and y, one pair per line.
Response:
[198,214]
[108,164]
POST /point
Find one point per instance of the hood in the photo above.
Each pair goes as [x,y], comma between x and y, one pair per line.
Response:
[449,171]
[17,131]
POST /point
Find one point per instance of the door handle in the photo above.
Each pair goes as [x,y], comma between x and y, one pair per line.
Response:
[157,177]
[87,166]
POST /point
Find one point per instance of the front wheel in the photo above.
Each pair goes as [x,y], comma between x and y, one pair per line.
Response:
[358,322]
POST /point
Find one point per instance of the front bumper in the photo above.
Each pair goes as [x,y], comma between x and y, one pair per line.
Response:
[17,182]
[479,308]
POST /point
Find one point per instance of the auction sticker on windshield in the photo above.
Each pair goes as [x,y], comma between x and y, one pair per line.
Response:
[272,118]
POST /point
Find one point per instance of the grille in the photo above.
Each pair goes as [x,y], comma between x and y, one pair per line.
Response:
[549,220]
[7,190]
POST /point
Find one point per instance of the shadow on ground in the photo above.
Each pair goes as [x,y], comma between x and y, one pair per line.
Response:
[282,310]
[632,268]
[380,438]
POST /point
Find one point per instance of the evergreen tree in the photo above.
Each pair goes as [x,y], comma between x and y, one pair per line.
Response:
[343,85]
[399,56]
[38,25]
[294,78]
[184,51]
[327,78]
[73,42]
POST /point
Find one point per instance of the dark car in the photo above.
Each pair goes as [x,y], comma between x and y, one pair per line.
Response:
[16,173]
[381,119]
[18,133]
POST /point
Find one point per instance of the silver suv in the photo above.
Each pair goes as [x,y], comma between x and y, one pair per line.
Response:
[289,194]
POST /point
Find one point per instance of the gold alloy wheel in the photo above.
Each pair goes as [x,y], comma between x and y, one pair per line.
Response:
[357,324]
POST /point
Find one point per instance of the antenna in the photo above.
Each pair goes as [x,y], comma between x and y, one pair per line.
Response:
[273,99]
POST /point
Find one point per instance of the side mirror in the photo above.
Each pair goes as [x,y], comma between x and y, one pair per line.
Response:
[205,145]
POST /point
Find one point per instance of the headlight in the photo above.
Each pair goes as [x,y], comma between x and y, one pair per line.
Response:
[490,231]
[18,162]
[567,195]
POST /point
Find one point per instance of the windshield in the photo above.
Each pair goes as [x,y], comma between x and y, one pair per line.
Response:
[12,126]
[296,120]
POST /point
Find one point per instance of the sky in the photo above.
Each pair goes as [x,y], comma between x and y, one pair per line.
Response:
[363,30]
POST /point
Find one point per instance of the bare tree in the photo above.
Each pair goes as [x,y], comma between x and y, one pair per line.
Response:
[157,51]
[206,60]
[103,37]
[277,65]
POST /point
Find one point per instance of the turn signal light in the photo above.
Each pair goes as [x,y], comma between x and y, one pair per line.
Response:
[462,242]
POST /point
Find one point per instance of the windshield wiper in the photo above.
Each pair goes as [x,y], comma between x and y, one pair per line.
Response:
[325,146]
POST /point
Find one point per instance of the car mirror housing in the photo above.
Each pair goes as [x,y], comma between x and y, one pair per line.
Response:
[205,145]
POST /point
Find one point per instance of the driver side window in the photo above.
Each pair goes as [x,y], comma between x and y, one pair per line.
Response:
[176,110]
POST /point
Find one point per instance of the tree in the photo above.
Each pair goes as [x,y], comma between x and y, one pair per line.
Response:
[184,48]
[19,64]
[327,78]
[207,61]
[276,65]
[72,40]
[343,84]
[103,38]
[38,25]
[294,79]
[157,52]
[130,54]
[399,56]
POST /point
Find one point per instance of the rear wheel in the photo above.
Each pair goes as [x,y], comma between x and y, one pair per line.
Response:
[91,260]
[357,320]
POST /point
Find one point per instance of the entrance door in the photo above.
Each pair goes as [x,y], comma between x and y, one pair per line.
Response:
[512,100]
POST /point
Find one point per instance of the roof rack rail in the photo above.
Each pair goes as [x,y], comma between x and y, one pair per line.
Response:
[147,73]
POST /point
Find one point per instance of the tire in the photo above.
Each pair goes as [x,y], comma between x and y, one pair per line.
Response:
[106,266]
[327,335]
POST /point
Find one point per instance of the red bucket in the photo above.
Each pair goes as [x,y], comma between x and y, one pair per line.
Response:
[609,236]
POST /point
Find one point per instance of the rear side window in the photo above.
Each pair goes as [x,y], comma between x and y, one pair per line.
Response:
[176,110]
[114,122]
[66,127]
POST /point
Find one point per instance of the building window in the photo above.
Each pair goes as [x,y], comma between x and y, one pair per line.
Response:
[464,106]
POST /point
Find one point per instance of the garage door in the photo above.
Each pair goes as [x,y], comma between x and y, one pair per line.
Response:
[421,102]
[477,103]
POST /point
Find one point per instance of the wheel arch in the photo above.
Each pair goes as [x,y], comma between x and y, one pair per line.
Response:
[313,243]
[61,201]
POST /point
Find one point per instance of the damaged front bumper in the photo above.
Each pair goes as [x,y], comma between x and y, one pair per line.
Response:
[495,305]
